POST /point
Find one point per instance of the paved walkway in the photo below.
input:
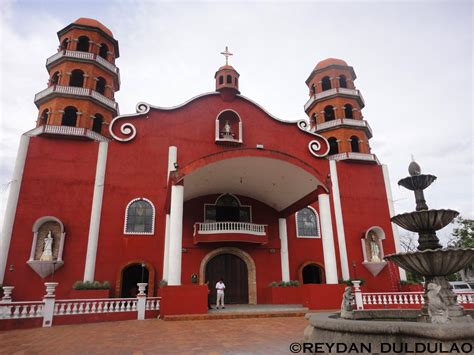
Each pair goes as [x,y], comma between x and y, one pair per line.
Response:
[212,337]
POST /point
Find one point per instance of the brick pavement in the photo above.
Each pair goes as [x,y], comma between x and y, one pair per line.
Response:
[211,337]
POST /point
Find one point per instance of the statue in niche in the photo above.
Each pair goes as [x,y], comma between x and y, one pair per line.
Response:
[47,254]
[374,247]
[437,308]
[227,132]
[346,305]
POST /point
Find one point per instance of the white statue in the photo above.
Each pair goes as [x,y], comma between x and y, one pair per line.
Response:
[47,254]
[346,305]
[374,248]
[437,309]
[227,128]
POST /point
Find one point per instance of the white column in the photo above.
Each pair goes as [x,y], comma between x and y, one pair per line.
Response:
[285,265]
[330,265]
[10,209]
[94,225]
[391,209]
[176,235]
[341,237]
[172,160]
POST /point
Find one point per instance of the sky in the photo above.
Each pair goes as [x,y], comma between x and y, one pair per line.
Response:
[413,61]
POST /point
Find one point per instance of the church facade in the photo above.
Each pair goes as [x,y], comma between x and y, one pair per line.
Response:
[214,188]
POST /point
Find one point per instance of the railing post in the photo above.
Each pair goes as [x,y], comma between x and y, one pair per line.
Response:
[358,294]
[7,294]
[141,300]
[49,299]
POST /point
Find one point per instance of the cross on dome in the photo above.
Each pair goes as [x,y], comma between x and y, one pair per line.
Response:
[226,54]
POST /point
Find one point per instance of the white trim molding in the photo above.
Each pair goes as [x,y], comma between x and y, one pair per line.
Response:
[152,216]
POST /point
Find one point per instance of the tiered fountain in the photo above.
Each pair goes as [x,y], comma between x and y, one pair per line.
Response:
[441,325]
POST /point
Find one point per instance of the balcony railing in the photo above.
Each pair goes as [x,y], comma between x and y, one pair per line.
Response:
[85,56]
[67,131]
[354,156]
[344,91]
[76,91]
[229,227]
[344,122]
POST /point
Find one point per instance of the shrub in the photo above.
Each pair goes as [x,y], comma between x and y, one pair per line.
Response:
[292,283]
[87,285]
[163,283]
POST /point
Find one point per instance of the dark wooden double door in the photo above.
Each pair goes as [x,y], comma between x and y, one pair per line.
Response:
[235,274]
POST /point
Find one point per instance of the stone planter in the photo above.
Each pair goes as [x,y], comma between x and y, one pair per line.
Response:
[89,294]
[283,295]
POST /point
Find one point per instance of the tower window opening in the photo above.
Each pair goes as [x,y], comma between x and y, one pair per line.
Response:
[54,79]
[221,80]
[355,144]
[77,78]
[348,111]
[342,81]
[69,117]
[100,86]
[229,79]
[329,113]
[43,119]
[83,44]
[63,45]
[312,121]
[236,81]
[326,83]
[97,123]
[313,89]
[103,50]
[333,146]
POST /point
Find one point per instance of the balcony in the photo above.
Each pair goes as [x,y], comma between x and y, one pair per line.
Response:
[82,56]
[217,232]
[366,157]
[67,131]
[354,93]
[344,122]
[75,91]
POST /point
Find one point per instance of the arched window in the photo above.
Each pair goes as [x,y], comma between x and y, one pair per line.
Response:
[355,144]
[312,274]
[307,223]
[77,78]
[69,116]
[100,86]
[342,81]
[227,208]
[83,44]
[326,83]
[313,89]
[221,79]
[229,79]
[64,44]
[348,111]
[329,113]
[140,217]
[54,79]
[97,123]
[43,118]
[333,146]
[103,51]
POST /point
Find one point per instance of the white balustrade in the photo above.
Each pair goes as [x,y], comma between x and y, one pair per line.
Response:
[466,298]
[390,299]
[353,156]
[326,93]
[103,99]
[21,310]
[152,304]
[230,227]
[89,306]
[82,55]
[78,91]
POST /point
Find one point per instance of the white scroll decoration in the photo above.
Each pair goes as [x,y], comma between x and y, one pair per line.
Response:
[127,128]
[314,146]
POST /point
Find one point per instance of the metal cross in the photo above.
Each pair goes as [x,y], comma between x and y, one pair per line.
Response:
[226,54]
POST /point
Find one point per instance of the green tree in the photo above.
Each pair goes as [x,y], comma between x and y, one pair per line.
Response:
[463,233]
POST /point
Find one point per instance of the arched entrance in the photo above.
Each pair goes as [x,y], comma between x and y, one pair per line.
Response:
[249,266]
[132,273]
[234,272]
[311,273]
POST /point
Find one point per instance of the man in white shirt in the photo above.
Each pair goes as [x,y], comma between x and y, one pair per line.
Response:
[220,293]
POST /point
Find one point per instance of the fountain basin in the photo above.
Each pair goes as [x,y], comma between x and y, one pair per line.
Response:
[439,262]
[417,182]
[426,220]
[368,337]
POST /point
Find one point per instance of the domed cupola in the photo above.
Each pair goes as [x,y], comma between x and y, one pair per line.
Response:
[227,78]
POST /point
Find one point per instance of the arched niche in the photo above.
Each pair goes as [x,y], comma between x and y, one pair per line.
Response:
[47,247]
[372,249]
[228,127]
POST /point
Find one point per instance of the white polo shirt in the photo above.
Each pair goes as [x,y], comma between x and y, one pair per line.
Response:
[220,288]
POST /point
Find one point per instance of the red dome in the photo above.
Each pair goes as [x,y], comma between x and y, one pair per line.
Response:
[330,61]
[226,67]
[93,23]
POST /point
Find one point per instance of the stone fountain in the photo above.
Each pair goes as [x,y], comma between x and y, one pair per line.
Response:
[441,325]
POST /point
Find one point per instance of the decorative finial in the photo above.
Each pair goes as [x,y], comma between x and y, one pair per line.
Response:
[226,54]
[414,168]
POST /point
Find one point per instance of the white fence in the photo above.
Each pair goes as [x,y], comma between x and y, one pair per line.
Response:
[229,227]
[49,307]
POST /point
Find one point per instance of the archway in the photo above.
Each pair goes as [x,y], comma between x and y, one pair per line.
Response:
[249,264]
[311,272]
[132,273]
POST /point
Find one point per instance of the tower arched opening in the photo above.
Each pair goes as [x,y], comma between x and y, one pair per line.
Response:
[83,44]
[342,81]
[43,118]
[221,79]
[355,144]
[64,43]
[97,122]
[229,79]
[348,111]
[329,113]
[77,78]
[69,117]
[103,51]
[333,146]
[54,79]
[326,83]
[100,85]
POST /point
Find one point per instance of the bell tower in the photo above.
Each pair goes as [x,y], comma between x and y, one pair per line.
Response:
[227,78]
[335,110]
[82,81]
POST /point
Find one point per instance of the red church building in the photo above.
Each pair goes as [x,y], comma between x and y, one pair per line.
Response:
[214,187]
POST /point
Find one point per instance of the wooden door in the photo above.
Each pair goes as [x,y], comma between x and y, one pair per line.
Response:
[234,272]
